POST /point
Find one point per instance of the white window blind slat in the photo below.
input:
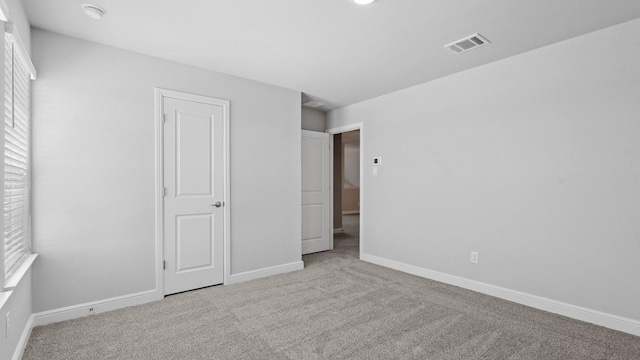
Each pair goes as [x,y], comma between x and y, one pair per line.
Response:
[16,159]
[15,155]
[12,133]
[14,244]
[14,144]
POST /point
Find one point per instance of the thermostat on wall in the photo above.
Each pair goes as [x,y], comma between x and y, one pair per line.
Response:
[377,161]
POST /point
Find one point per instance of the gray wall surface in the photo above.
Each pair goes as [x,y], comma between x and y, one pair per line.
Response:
[94,169]
[533,161]
[313,120]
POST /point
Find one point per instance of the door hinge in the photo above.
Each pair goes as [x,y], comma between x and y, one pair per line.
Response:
[164,118]
[164,191]
[164,264]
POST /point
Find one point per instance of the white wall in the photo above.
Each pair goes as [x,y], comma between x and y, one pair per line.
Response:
[94,169]
[313,120]
[534,161]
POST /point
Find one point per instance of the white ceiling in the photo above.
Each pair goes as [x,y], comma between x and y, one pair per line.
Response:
[334,51]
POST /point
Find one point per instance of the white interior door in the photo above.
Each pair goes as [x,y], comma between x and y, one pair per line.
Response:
[316,177]
[194,180]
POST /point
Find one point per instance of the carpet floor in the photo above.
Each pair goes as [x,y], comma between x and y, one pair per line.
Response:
[338,307]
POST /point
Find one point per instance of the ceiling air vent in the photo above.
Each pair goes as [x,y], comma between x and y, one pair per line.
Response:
[313,104]
[469,43]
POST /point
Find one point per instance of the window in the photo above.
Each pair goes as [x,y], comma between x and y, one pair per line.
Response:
[16,156]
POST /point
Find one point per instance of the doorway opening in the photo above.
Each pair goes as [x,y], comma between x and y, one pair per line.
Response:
[345,219]
[348,195]
[346,192]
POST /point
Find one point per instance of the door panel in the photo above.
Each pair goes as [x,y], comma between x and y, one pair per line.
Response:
[194,181]
[312,161]
[316,225]
[312,228]
[194,168]
[192,242]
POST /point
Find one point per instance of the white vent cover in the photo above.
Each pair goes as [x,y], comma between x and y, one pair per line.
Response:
[313,104]
[469,43]
[93,11]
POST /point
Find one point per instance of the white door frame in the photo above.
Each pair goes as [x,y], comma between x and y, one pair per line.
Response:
[160,95]
[340,130]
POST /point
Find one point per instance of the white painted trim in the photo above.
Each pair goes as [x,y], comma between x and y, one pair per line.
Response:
[340,130]
[17,276]
[159,182]
[100,306]
[160,94]
[611,321]
[331,149]
[346,128]
[4,11]
[10,29]
[24,339]
[4,297]
[351,212]
[269,271]
[227,192]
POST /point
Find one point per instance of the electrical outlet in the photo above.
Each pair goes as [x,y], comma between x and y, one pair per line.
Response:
[474,257]
[8,325]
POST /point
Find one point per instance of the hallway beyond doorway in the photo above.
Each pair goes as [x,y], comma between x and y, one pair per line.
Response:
[345,244]
[348,240]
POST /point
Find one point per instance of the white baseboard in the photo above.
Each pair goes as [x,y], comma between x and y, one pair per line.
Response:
[77,311]
[100,306]
[24,339]
[351,212]
[260,273]
[611,321]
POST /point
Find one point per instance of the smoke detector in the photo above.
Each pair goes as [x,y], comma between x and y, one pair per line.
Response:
[93,11]
[469,43]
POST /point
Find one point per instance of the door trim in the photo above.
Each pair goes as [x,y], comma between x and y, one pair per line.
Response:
[160,95]
[340,130]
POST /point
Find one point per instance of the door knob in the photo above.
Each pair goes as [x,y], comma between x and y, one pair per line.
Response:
[217,204]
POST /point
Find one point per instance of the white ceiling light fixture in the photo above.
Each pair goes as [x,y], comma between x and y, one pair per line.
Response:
[363,2]
[93,11]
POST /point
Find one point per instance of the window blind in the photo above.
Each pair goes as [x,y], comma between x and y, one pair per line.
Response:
[16,159]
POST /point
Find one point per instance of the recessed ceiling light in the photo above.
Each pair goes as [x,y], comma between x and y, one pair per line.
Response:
[93,11]
[363,2]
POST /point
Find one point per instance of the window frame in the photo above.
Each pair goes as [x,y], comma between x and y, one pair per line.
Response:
[19,53]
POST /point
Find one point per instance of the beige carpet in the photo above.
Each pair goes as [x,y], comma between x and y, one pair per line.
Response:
[336,308]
